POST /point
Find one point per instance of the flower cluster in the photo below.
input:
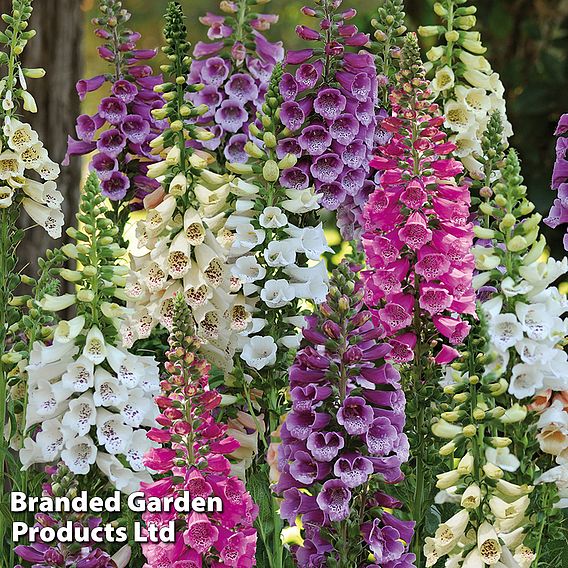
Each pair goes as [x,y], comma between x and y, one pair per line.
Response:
[559,212]
[525,312]
[490,525]
[179,250]
[90,396]
[464,80]
[121,130]
[234,69]
[273,245]
[193,459]
[344,437]
[329,113]
[62,483]
[21,150]
[418,235]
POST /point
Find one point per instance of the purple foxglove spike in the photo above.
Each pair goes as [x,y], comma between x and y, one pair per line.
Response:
[325,446]
[85,86]
[334,500]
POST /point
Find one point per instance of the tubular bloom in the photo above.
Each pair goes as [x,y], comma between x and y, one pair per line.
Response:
[121,130]
[344,438]
[90,396]
[559,212]
[464,81]
[192,457]
[418,237]
[178,249]
[235,69]
[329,113]
[62,483]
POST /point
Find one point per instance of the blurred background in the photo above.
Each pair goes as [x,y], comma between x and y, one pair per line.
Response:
[527,43]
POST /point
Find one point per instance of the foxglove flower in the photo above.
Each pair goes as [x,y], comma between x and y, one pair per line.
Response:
[234,69]
[89,396]
[120,132]
[192,457]
[329,113]
[344,434]
[559,212]
[183,231]
[418,235]
[465,84]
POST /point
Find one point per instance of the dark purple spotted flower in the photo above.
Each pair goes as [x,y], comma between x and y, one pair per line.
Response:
[344,434]
[122,129]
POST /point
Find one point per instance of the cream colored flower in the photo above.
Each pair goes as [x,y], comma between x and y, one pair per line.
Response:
[444,79]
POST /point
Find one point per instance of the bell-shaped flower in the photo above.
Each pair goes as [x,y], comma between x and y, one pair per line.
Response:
[51,439]
[112,432]
[79,454]
[95,346]
[448,533]
[69,330]
[108,391]
[50,219]
[80,375]
[503,458]
[81,415]
[488,544]
[259,351]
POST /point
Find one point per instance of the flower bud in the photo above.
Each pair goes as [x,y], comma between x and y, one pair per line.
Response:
[445,430]
[331,329]
[465,465]
[507,222]
[288,161]
[483,233]
[271,171]
[447,479]
[86,296]
[515,413]
[452,36]
[492,471]
[447,449]
[478,414]
[253,150]
[500,442]
[70,275]
[269,140]
[430,31]
[469,431]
